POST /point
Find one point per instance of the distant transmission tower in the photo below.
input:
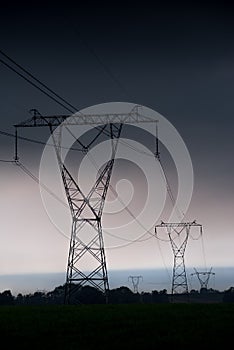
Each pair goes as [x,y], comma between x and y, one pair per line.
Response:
[86,242]
[203,277]
[178,234]
[135,282]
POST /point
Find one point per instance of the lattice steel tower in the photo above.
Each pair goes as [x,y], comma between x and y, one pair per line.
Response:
[178,234]
[86,242]
[135,282]
[203,277]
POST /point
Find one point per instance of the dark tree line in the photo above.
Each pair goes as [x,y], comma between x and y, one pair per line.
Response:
[6,298]
[84,295]
[121,295]
[229,295]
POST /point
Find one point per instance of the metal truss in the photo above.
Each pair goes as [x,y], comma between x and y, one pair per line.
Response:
[178,234]
[135,282]
[86,259]
[203,277]
[86,244]
[133,117]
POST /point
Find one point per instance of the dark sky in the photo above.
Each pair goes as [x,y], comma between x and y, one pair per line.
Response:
[176,59]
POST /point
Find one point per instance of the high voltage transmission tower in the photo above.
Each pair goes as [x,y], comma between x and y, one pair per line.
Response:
[178,234]
[86,208]
[135,282]
[203,277]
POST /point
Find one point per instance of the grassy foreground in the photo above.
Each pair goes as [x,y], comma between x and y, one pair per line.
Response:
[116,326]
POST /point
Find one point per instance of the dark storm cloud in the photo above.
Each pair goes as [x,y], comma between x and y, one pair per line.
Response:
[174,58]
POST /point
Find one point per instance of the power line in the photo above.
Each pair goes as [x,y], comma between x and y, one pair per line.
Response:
[48,95]
[34,178]
[203,251]
[37,87]
[126,208]
[6,161]
[135,219]
[100,61]
[72,111]
[37,141]
[37,80]
[180,214]
[52,91]
[125,143]
[28,172]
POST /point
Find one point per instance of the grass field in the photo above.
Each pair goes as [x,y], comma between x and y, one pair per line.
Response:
[116,326]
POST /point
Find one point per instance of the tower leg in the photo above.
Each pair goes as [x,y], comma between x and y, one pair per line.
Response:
[179,278]
[86,259]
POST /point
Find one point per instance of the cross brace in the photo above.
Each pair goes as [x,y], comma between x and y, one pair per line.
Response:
[178,234]
[86,258]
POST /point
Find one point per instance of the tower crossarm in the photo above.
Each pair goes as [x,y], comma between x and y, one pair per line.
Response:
[178,234]
[178,224]
[86,258]
[179,250]
[203,277]
[133,117]
[135,282]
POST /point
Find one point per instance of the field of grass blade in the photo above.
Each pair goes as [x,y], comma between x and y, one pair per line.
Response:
[116,326]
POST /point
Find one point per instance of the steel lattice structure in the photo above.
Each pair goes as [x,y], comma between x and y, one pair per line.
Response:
[203,277]
[135,282]
[178,234]
[86,209]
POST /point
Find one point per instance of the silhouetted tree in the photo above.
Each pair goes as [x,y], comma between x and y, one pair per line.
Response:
[194,291]
[90,295]
[160,297]
[57,295]
[228,296]
[6,298]
[146,297]
[123,295]
[19,299]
